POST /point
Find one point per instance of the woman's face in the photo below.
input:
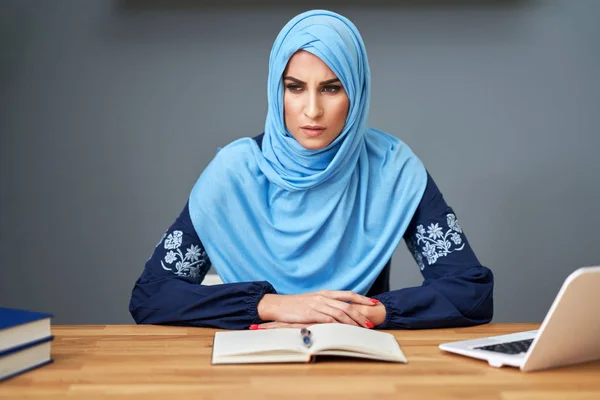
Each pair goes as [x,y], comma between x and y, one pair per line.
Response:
[315,104]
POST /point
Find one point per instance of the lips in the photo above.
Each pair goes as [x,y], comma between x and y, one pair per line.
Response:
[312,131]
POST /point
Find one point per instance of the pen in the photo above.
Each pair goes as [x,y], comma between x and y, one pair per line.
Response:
[306,334]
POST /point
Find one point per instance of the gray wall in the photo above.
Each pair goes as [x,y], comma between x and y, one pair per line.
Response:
[110,110]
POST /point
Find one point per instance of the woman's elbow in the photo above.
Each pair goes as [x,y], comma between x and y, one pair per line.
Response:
[138,318]
[483,311]
[146,316]
[137,310]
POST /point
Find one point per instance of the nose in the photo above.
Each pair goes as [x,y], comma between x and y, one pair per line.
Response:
[313,108]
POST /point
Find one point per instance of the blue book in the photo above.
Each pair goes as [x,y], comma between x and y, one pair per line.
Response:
[25,339]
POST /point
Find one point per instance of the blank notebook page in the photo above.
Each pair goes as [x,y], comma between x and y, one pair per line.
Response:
[335,336]
[248,342]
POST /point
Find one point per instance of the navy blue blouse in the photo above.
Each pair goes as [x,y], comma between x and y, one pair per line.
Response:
[457,290]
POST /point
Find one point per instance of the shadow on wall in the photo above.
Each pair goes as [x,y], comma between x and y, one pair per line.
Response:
[200,5]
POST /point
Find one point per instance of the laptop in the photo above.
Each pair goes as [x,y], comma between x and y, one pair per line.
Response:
[569,334]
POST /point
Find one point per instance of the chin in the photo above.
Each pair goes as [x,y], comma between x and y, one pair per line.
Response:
[317,143]
[313,145]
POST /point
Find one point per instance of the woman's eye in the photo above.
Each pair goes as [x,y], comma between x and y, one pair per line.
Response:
[293,87]
[331,88]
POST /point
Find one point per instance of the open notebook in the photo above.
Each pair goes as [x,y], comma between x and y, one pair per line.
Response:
[287,345]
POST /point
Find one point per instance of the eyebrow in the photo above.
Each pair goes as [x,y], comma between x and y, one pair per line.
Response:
[291,78]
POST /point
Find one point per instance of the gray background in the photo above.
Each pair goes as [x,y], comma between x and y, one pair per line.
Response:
[110,110]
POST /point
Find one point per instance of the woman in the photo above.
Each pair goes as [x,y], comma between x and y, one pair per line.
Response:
[300,223]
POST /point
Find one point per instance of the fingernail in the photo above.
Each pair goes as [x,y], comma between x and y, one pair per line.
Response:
[369,324]
[254,327]
[374,301]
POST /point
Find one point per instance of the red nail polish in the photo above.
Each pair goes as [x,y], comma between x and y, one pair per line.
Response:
[369,324]
[254,327]
[374,301]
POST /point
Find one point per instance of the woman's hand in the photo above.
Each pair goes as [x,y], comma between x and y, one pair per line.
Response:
[316,307]
[376,314]
[275,324]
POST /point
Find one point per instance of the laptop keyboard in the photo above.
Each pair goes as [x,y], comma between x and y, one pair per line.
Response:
[520,346]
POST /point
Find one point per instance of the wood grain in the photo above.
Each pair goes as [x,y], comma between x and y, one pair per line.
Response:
[147,362]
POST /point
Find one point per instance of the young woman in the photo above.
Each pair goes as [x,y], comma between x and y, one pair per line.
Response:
[301,222]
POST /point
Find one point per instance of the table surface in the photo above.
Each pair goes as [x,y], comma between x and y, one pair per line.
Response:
[145,361]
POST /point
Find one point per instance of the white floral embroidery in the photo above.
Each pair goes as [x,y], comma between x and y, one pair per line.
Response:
[430,252]
[173,241]
[434,231]
[193,253]
[170,257]
[434,242]
[189,265]
[456,238]
[453,223]
[157,244]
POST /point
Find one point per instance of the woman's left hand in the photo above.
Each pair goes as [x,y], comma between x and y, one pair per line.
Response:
[375,313]
[273,325]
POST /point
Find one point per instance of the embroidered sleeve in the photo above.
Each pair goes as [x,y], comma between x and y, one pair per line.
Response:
[439,239]
[169,292]
[434,236]
[194,263]
[180,252]
[457,290]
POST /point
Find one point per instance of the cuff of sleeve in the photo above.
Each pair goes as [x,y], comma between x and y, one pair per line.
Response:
[255,295]
[388,303]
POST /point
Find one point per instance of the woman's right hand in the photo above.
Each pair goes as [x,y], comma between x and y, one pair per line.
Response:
[316,307]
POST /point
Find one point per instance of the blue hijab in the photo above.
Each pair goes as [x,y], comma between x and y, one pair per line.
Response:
[306,220]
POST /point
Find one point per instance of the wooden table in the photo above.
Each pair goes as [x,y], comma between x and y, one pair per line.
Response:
[173,363]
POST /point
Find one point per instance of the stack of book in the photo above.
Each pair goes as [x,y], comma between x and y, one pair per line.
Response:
[24,341]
